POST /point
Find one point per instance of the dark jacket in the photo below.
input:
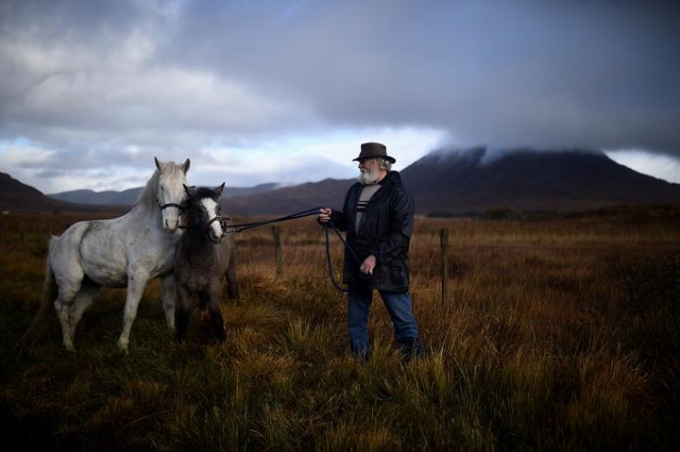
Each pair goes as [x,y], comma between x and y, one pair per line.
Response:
[385,232]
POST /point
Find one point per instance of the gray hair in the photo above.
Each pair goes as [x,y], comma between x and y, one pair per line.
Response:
[385,164]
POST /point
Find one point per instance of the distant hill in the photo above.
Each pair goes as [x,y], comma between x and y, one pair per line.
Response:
[446,182]
[328,192]
[129,197]
[122,198]
[18,197]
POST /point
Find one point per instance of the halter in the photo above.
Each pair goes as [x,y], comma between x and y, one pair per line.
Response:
[223,223]
[179,207]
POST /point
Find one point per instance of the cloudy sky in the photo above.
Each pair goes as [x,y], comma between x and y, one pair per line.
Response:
[258,91]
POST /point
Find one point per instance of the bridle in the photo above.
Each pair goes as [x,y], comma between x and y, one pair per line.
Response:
[223,223]
[206,229]
[179,207]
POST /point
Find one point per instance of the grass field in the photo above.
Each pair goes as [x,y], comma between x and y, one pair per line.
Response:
[557,334]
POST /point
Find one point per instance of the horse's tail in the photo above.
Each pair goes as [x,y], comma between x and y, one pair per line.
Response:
[41,323]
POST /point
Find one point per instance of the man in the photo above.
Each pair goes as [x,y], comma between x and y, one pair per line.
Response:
[378,220]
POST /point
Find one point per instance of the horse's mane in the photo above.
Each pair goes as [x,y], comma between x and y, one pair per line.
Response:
[150,193]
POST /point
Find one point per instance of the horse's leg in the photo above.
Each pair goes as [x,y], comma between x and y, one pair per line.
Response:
[136,284]
[62,306]
[169,298]
[68,291]
[83,300]
[182,313]
[216,314]
[69,276]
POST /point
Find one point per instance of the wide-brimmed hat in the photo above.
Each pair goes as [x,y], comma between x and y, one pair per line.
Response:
[372,150]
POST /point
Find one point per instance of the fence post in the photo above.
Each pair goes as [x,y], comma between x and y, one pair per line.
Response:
[444,241]
[278,254]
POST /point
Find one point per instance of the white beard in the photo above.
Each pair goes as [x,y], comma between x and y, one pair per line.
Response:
[368,177]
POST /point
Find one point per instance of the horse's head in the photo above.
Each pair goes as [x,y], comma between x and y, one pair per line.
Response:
[171,194]
[205,213]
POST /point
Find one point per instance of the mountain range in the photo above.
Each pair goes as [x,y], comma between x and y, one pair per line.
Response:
[16,196]
[130,196]
[472,181]
[446,182]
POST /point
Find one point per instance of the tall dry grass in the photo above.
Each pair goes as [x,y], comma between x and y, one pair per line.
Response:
[557,334]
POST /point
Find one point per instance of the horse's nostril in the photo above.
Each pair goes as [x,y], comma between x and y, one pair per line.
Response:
[171,226]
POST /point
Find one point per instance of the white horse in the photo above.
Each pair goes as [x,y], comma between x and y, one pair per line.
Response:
[122,252]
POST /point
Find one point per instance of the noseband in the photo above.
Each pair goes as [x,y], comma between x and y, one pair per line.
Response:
[179,207]
[223,224]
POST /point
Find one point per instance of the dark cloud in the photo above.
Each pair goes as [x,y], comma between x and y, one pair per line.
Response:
[550,73]
[116,82]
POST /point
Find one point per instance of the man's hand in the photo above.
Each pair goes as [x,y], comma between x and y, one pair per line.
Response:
[368,265]
[325,214]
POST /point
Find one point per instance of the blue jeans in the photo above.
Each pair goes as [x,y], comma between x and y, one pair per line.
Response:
[398,305]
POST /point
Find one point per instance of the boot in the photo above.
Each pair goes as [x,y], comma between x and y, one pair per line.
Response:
[411,348]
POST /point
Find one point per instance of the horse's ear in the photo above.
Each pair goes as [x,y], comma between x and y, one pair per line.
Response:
[218,190]
[158,163]
[186,166]
[188,189]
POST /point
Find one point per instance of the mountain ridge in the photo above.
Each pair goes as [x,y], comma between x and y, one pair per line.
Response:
[16,196]
[130,196]
[459,181]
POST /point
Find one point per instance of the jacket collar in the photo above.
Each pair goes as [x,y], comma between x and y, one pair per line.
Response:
[390,178]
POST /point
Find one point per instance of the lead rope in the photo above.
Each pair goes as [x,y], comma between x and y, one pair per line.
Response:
[306,213]
[294,216]
[328,253]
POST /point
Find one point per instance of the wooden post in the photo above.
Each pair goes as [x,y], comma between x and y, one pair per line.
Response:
[444,241]
[278,254]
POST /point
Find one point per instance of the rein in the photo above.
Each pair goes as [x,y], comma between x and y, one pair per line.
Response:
[328,253]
